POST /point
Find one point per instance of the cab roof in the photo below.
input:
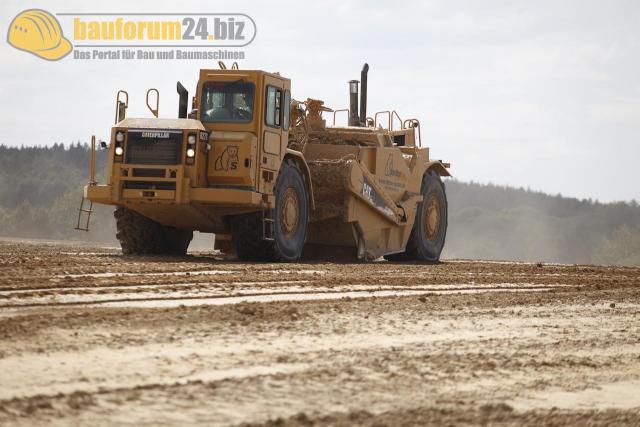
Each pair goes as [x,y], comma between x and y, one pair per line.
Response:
[206,72]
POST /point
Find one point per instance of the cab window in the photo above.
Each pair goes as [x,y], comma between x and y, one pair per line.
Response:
[286,115]
[273,108]
[227,102]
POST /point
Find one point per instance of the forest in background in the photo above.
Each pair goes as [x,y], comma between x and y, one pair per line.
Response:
[41,189]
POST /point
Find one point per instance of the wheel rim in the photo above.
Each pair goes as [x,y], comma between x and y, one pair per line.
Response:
[289,212]
[432,217]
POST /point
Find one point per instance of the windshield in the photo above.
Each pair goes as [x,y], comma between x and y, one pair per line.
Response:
[229,102]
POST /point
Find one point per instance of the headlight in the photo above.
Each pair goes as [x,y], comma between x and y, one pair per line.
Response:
[119,151]
[119,136]
[191,139]
[191,152]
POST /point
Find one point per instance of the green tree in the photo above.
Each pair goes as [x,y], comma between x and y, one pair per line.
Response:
[621,247]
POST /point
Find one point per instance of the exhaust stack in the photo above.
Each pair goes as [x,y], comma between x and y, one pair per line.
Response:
[353,107]
[363,94]
[360,119]
[182,104]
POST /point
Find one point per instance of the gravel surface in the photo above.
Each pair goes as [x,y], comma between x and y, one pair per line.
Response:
[90,337]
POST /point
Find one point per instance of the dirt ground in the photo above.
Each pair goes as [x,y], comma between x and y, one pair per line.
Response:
[89,337]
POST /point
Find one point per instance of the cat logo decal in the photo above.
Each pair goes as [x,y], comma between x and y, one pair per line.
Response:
[228,160]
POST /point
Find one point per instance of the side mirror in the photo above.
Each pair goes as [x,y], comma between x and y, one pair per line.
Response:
[103,145]
[121,105]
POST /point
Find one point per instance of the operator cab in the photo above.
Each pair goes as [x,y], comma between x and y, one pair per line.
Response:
[246,113]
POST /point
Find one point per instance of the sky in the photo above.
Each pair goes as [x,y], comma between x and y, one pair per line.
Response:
[543,95]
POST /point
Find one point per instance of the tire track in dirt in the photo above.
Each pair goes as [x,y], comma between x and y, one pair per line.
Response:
[235,296]
[101,288]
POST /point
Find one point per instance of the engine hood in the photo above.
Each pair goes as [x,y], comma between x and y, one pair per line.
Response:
[155,123]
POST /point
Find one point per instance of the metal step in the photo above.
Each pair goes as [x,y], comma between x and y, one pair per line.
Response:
[268,225]
[88,213]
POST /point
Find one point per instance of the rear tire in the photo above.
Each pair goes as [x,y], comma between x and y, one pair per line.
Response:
[291,222]
[430,226]
[139,235]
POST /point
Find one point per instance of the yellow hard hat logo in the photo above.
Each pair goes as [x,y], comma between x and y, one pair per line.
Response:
[37,31]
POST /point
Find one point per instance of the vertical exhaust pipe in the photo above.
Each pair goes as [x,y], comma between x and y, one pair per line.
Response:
[182,104]
[353,107]
[363,94]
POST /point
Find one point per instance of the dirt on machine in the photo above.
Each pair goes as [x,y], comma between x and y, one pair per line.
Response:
[270,176]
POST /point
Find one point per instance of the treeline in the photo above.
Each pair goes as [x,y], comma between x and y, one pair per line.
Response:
[41,188]
[494,222]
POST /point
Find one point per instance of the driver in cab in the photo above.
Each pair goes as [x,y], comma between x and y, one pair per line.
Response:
[234,107]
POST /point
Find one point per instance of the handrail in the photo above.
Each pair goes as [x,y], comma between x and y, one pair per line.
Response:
[394,113]
[413,124]
[390,116]
[153,111]
[342,110]
[375,118]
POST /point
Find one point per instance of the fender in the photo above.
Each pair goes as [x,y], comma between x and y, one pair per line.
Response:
[438,166]
[298,157]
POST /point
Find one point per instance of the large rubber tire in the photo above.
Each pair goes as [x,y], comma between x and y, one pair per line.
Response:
[430,227]
[291,222]
[139,235]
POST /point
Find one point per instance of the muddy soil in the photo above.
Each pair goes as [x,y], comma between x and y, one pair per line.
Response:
[330,192]
[90,337]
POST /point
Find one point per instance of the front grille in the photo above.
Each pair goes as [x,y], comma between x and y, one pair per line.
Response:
[154,147]
[148,173]
[141,185]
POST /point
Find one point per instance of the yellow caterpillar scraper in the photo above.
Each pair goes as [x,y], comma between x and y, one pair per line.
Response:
[270,178]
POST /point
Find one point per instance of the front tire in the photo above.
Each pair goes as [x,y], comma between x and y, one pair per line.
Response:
[139,235]
[290,227]
[430,226]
